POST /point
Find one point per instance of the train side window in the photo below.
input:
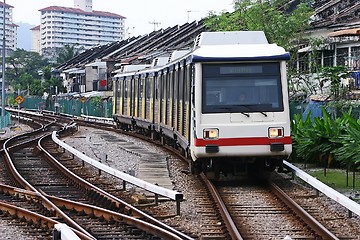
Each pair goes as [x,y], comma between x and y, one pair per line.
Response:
[148,89]
[141,88]
[126,86]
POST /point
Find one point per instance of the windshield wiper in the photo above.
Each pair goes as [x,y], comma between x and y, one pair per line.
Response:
[248,107]
[263,113]
[246,114]
[233,109]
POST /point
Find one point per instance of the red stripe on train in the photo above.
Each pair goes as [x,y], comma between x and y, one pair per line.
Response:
[242,141]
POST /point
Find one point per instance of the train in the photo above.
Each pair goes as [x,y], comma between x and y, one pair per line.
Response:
[223,103]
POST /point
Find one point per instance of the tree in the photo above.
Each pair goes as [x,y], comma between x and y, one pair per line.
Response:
[334,75]
[23,67]
[66,53]
[53,82]
[281,22]
[308,81]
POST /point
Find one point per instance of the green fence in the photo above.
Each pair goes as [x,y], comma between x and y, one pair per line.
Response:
[6,120]
[297,108]
[103,108]
[91,106]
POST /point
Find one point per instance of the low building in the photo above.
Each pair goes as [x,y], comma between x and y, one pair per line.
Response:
[337,25]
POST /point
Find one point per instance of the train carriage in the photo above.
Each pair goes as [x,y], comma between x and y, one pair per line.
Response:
[224,103]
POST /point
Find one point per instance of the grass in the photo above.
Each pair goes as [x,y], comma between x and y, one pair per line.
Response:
[336,178]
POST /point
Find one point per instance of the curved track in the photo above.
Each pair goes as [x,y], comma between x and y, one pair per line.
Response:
[247,208]
[43,175]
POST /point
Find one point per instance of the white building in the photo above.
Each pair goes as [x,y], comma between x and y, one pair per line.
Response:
[80,26]
[35,43]
[10,28]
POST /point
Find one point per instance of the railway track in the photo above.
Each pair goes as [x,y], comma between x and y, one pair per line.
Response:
[260,214]
[220,228]
[113,216]
[206,219]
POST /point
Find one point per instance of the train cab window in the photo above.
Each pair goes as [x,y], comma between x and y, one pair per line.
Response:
[254,87]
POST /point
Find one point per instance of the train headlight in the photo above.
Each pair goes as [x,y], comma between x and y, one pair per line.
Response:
[212,133]
[276,132]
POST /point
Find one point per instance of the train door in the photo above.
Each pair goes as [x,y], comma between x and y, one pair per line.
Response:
[142,96]
[187,101]
[116,98]
[120,96]
[136,94]
[169,96]
[165,93]
[180,125]
[175,98]
[150,97]
[127,96]
[157,98]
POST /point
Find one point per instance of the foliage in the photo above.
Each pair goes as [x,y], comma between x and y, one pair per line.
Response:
[327,140]
[281,22]
[23,67]
[315,140]
[334,75]
[349,152]
[66,53]
[97,101]
[11,101]
[31,72]
[36,88]
[308,81]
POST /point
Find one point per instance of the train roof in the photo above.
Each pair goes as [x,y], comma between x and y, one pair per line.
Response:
[239,52]
[236,46]
[231,38]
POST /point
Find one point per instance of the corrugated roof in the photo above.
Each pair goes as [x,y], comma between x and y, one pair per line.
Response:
[345,32]
[335,13]
[137,50]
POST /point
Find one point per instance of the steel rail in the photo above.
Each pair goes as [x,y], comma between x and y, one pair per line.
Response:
[109,215]
[46,203]
[133,210]
[92,188]
[33,217]
[229,223]
[306,217]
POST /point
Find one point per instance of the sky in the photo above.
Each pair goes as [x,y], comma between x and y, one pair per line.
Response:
[140,14]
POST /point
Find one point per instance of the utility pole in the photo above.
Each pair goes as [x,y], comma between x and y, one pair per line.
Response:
[3,74]
[155,24]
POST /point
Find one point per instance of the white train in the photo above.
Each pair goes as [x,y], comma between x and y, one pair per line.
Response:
[223,104]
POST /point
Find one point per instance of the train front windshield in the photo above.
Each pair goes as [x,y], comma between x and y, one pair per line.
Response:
[250,87]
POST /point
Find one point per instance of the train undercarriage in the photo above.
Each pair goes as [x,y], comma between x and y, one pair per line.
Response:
[235,168]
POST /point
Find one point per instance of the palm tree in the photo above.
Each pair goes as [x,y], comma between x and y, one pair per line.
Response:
[66,53]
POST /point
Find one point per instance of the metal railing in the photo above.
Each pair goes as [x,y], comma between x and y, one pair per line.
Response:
[346,202]
[174,195]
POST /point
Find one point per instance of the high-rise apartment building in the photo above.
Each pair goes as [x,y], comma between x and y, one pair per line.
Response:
[10,28]
[80,26]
